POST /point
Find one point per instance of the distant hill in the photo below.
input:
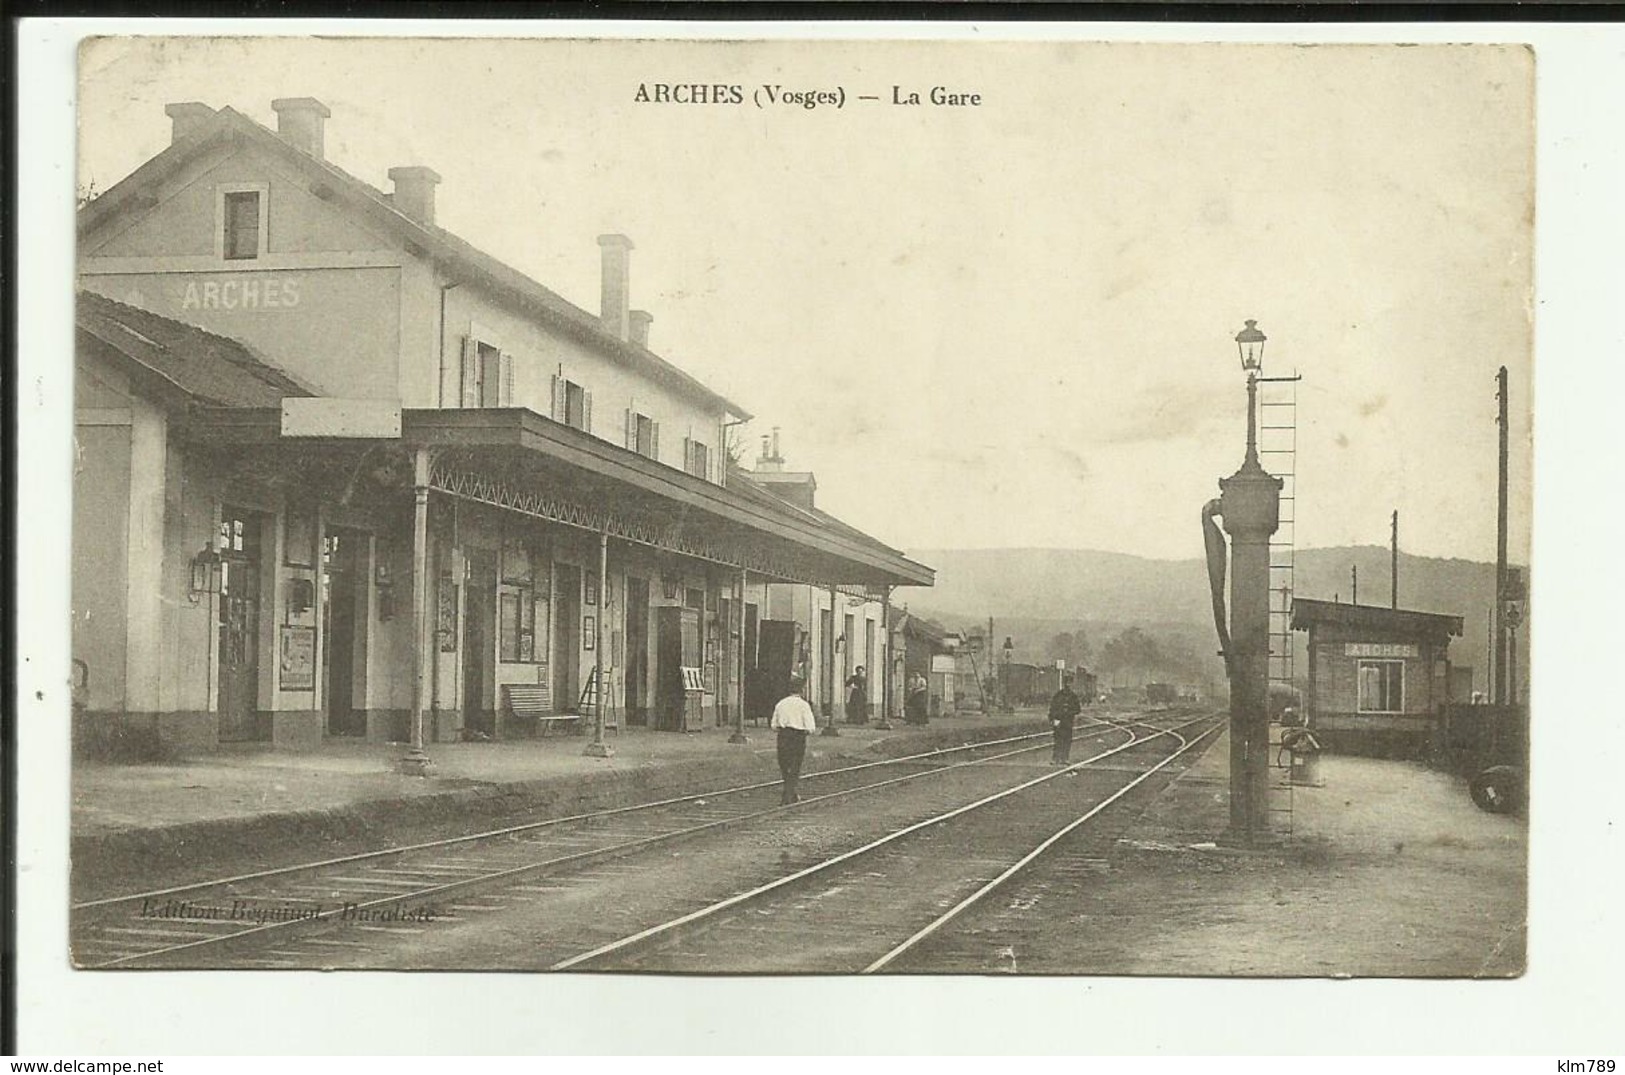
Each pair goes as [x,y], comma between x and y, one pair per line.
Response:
[1033,594]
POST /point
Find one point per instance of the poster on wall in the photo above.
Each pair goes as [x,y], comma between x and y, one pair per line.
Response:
[299,550]
[589,632]
[299,604]
[298,669]
[446,619]
[591,596]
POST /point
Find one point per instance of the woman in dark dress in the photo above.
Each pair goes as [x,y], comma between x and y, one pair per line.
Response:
[914,709]
[857,697]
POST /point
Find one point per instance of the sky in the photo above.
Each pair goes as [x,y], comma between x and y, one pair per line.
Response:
[1001,325]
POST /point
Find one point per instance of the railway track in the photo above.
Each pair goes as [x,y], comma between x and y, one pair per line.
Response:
[863,910]
[204,923]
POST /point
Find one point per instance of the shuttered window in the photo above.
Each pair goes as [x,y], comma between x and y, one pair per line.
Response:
[572,404]
[487,375]
[470,395]
[642,434]
[697,458]
[575,406]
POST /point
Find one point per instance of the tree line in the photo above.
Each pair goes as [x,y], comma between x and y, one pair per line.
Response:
[1131,657]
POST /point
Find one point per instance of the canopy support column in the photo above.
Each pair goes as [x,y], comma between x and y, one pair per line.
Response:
[416,762]
[884,723]
[830,673]
[738,735]
[598,748]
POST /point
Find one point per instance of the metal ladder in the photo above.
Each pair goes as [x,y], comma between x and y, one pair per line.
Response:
[1278,452]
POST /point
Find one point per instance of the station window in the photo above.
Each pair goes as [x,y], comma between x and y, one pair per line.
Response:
[490,374]
[1381,687]
[575,405]
[642,434]
[572,404]
[697,458]
[487,375]
[241,239]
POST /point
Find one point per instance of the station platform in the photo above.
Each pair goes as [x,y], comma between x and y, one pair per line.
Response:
[1388,870]
[251,807]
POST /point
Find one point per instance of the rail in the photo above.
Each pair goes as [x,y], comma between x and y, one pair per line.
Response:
[99,909]
[643,937]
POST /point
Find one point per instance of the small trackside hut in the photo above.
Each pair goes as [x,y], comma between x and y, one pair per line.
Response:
[1378,677]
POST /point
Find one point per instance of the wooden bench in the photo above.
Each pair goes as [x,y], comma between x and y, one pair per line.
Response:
[534,702]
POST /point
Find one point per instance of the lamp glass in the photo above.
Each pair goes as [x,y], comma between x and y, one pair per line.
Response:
[206,571]
[1250,347]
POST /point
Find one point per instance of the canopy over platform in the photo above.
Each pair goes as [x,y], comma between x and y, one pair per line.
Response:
[517,460]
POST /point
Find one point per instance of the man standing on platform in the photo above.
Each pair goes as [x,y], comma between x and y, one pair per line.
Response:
[793,719]
[1062,709]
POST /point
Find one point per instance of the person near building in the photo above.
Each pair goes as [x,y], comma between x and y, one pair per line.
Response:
[1063,709]
[857,697]
[793,720]
[914,704]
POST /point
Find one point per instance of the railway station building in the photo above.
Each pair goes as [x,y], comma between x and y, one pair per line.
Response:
[1379,678]
[335,466]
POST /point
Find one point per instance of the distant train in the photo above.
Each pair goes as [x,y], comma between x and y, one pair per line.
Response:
[1034,684]
[1161,694]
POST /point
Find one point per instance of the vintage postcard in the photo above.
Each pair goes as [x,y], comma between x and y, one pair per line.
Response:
[802,507]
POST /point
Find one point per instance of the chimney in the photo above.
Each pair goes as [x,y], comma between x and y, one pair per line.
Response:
[300,120]
[641,319]
[615,294]
[188,117]
[770,462]
[798,487]
[414,191]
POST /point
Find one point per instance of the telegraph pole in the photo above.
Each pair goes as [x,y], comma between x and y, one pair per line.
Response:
[990,672]
[1501,547]
[1393,562]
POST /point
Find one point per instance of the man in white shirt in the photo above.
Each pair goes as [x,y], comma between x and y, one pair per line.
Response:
[793,719]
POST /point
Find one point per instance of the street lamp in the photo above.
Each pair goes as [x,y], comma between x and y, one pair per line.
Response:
[1250,345]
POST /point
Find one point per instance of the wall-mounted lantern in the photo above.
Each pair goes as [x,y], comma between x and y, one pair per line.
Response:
[206,573]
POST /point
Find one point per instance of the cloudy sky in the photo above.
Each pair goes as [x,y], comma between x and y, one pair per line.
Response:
[1000,325]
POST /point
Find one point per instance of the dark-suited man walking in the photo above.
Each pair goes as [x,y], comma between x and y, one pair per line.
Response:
[1063,708]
